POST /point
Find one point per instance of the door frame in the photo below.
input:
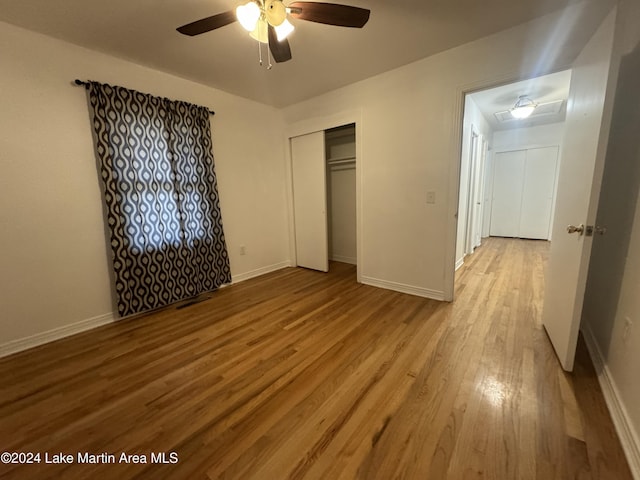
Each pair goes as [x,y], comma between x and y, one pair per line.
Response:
[482,174]
[471,190]
[475,190]
[461,91]
[318,124]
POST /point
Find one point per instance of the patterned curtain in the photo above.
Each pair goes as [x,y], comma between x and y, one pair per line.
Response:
[161,197]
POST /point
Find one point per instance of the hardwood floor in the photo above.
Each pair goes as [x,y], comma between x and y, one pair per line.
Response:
[299,374]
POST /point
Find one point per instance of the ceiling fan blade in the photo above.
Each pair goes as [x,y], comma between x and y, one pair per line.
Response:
[280,50]
[207,24]
[330,14]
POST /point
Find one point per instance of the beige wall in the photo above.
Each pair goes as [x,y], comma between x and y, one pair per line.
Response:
[410,142]
[54,271]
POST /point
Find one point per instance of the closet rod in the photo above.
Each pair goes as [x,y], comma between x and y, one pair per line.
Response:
[339,161]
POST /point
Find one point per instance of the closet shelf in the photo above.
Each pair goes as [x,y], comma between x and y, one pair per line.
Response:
[340,160]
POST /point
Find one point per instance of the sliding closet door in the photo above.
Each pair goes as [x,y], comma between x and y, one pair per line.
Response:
[537,192]
[507,193]
[310,201]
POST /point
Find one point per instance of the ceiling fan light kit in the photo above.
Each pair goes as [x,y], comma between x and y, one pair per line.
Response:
[256,19]
[523,108]
[267,22]
[284,29]
[248,15]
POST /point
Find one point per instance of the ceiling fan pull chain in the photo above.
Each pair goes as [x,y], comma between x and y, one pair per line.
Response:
[260,52]
[269,67]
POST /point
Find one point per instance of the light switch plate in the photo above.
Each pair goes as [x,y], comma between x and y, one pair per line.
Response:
[431,197]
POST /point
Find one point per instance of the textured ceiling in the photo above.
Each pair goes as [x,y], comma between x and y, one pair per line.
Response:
[324,57]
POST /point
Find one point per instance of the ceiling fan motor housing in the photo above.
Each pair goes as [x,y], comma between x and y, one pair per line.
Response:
[275,12]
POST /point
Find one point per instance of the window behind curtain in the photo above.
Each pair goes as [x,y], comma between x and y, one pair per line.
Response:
[161,197]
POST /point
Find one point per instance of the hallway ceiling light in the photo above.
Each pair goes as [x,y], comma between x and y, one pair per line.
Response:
[523,107]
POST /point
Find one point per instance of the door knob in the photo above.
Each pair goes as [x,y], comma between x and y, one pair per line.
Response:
[573,229]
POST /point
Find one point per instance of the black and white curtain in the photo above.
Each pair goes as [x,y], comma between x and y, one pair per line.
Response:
[160,191]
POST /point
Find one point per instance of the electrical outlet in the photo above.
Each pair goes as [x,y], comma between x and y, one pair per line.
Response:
[243,250]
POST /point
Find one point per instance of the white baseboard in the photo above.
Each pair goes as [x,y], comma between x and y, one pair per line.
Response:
[15,346]
[402,288]
[459,262]
[259,271]
[628,436]
[344,259]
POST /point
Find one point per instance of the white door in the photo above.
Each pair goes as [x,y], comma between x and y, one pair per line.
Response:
[310,201]
[583,149]
[487,189]
[508,176]
[537,192]
[471,196]
[479,197]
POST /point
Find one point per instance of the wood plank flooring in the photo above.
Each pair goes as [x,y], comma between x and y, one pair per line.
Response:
[304,375]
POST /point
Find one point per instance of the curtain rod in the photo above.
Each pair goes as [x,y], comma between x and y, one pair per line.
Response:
[86,85]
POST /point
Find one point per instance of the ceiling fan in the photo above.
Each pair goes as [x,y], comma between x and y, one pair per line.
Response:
[267,22]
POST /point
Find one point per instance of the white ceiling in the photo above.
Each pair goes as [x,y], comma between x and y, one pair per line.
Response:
[542,90]
[324,57]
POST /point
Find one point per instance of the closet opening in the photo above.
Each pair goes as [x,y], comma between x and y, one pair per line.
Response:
[325,206]
[340,150]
